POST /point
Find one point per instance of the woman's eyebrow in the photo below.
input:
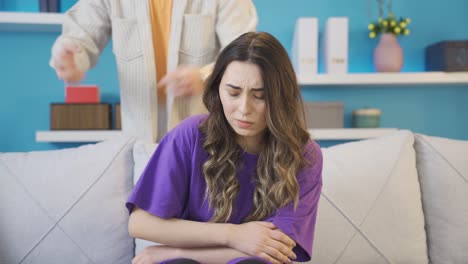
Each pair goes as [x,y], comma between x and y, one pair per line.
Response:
[233,86]
[239,88]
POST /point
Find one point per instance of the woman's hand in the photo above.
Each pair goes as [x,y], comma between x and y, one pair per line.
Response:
[155,254]
[264,240]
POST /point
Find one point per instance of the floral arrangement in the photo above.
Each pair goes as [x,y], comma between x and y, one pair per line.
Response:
[390,24]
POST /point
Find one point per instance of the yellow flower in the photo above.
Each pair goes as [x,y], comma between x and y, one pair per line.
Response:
[390,24]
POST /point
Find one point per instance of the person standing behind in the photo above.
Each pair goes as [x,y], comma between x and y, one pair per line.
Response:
[165,43]
[242,183]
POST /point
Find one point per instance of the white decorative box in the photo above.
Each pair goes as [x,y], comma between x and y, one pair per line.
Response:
[335,45]
[305,46]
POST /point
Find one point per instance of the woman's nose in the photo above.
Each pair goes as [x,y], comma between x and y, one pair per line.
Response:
[244,106]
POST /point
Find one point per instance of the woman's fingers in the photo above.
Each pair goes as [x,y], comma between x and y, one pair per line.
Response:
[283,249]
[278,255]
[269,258]
[283,238]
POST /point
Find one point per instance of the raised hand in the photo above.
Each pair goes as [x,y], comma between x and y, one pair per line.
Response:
[64,63]
[183,81]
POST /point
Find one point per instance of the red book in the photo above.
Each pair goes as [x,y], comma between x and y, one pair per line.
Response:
[82,94]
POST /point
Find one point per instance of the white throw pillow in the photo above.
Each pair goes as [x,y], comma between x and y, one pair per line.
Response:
[66,205]
[370,208]
[443,172]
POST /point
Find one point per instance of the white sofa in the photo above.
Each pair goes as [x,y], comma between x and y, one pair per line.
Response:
[402,198]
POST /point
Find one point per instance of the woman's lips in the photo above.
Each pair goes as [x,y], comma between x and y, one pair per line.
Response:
[244,124]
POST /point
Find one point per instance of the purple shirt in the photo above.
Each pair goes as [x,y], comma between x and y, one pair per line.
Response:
[173,186]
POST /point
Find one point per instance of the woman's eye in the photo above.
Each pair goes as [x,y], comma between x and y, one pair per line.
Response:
[233,94]
[260,96]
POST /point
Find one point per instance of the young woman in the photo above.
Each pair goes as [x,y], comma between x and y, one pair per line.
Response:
[241,184]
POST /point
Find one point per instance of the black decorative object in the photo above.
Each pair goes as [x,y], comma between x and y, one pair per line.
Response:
[449,56]
[52,6]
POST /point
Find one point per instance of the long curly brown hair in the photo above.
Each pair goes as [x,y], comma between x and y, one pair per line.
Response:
[282,155]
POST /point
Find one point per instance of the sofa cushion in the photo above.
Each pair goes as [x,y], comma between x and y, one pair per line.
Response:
[142,152]
[443,173]
[370,209]
[66,205]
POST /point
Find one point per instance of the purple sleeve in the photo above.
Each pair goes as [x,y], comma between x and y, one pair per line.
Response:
[162,189]
[299,223]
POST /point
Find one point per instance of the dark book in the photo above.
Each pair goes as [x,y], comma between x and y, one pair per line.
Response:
[44,5]
[52,6]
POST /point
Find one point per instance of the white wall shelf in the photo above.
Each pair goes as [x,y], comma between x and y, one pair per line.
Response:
[368,79]
[37,22]
[68,136]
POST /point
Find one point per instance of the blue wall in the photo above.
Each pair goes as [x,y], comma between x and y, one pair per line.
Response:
[30,6]
[28,85]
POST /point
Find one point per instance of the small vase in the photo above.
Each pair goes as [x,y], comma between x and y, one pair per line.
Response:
[388,55]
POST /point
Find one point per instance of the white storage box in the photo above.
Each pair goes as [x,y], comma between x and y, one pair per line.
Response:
[305,46]
[335,45]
